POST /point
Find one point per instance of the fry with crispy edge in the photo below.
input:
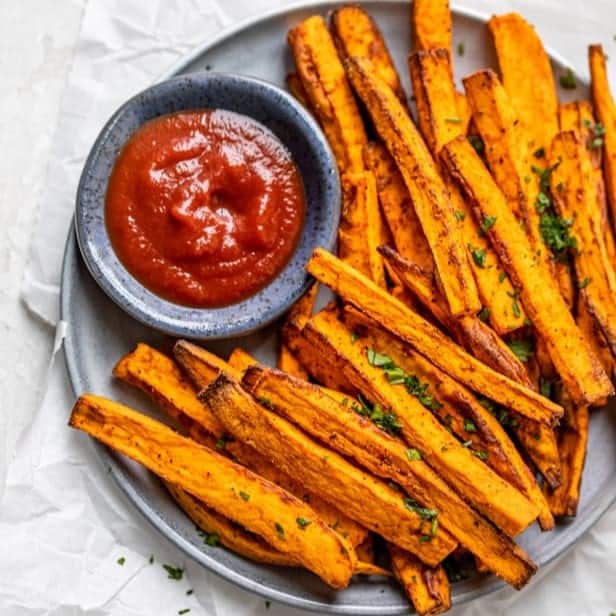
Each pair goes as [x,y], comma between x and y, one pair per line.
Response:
[328,91]
[460,411]
[479,485]
[432,78]
[218,482]
[336,423]
[527,76]
[573,440]
[159,377]
[605,108]
[538,439]
[357,34]
[580,370]
[427,588]
[395,317]
[425,185]
[574,191]
[324,471]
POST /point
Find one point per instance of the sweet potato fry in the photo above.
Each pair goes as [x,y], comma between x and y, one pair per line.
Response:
[328,91]
[159,377]
[324,471]
[229,534]
[357,34]
[527,76]
[574,190]
[426,188]
[427,339]
[336,423]
[432,24]
[219,483]
[427,588]
[572,445]
[596,341]
[397,207]
[579,368]
[478,484]
[605,110]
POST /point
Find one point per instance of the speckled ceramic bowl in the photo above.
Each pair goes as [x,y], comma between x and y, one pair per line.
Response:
[291,124]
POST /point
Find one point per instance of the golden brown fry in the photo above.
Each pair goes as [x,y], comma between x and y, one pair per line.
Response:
[334,421]
[596,341]
[427,339]
[328,91]
[574,189]
[572,444]
[527,76]
[357,34]
[427,588]
[296,87]
[397,207]
[579,368]
[200,365]
[229,534]
[323,471]
[432,24]
[606,114]
[269,511]
[426,187]
[241,360]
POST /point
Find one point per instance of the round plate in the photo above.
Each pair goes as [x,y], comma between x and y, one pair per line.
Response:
[99,333]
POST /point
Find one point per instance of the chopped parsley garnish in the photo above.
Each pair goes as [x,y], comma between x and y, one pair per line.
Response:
[354,336]
[477,142]
[454,120]
[567,81]
[522,348]
[221,443]
[211,539]
[190,591]
[388,422]
[469,425]
[303,522]
[397,376]
[121,560]
[584,283]
[484,314]
[514,305]
[184,611]
[279,530]
[595,140]
[502,276]
[546,387]
[487,223]
[266,402]
[151,558]
[502,414]
[480,453]
[543,202]
[267,605]
[479,256]
[459,216]
[413,454]
[460,49]
[244,496]
[555,233]
[174,573]
[424,513]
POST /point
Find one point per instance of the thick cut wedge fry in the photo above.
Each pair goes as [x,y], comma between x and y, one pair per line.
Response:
[159,377]
[427,588]
[229,534]
[527,76]
[605,109]
[393,316]
[356,34]
[574,190]
[324,471]
[328,91]
[397,207]
[572,445]
[432,24]
[479,485]
[427,190]
[538,439]
[579,368]
[334,422]
[218,482]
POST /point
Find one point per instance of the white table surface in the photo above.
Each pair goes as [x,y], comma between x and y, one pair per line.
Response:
[37,40]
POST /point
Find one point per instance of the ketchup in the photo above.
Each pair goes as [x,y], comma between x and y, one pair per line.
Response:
[204,207]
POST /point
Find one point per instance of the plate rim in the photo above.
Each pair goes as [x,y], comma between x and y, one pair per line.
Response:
[597,508]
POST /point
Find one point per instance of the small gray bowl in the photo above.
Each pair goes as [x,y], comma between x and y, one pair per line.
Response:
[289,122]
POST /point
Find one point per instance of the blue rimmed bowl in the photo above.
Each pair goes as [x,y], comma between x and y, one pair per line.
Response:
[290,123]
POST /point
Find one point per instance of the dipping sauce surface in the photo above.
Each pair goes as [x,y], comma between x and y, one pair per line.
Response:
[204,207]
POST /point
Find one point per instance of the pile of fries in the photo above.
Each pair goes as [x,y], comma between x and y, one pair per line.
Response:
[440,405]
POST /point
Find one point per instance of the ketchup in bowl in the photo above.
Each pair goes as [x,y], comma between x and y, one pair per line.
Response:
[204,207]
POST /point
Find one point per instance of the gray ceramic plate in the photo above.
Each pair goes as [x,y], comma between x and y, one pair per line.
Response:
[99,333]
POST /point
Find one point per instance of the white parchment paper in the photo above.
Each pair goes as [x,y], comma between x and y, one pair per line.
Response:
[63,523]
